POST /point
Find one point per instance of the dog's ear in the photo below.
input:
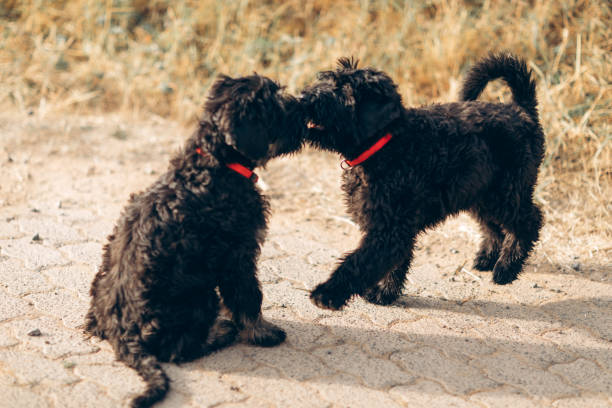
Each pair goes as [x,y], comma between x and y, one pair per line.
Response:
[374,116]
[230,103]
[249,138]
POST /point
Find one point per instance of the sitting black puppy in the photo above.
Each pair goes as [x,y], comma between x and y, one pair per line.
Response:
[196,230]
[412,168]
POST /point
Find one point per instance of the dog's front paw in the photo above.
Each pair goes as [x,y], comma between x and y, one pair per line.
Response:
[380,295]
[263,333]
[222,334]
[327,296]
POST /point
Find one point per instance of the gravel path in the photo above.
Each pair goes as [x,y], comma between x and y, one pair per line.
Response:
[453,339]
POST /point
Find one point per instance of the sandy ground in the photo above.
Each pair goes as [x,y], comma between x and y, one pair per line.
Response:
[453,338]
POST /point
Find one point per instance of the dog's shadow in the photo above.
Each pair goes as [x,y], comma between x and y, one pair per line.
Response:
[547,351]
[578,268]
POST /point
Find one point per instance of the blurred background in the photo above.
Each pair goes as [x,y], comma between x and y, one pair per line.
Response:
[157,58]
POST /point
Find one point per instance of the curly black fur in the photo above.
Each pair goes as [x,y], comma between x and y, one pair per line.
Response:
[475,156]
[196,230]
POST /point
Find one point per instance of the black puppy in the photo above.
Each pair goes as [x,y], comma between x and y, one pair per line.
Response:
[412,168]
[196,230]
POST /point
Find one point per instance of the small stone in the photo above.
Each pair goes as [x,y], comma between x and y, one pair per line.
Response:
[35,210]
[454,251]
[69,364]
[536,286]
[166,89]
[120,134]
[36,237]
[148,170]
[61,64]
[35,333]
[576,266]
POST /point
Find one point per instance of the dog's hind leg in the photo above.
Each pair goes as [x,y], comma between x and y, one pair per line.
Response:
[190,329]
[491,245]
[520,238]
[389,288]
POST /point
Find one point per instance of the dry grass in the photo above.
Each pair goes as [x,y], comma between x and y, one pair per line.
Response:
[158,57]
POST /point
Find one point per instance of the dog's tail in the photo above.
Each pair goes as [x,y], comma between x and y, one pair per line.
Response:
[513,70]
[149,369]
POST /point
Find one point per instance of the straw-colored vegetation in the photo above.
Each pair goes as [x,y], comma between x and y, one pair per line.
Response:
[158,57]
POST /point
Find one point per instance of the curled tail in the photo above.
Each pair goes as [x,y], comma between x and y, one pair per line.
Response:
[149,369]
[513,70]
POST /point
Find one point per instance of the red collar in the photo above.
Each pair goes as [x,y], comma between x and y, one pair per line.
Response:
[237,167]
[367,154]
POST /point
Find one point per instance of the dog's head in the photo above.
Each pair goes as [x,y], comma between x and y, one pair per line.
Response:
[255,117]
[348,106]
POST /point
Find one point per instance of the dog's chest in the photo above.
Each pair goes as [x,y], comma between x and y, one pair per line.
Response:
[356,188]
[223,225]
[240,210]
[353,180]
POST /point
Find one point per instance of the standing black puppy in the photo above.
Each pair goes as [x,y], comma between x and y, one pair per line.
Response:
[197,229]
[412,168]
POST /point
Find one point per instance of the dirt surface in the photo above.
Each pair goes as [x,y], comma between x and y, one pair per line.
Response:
[453,338]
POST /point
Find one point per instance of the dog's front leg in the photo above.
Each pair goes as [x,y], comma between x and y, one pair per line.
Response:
[389,288]
[242,296]
[376,257]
